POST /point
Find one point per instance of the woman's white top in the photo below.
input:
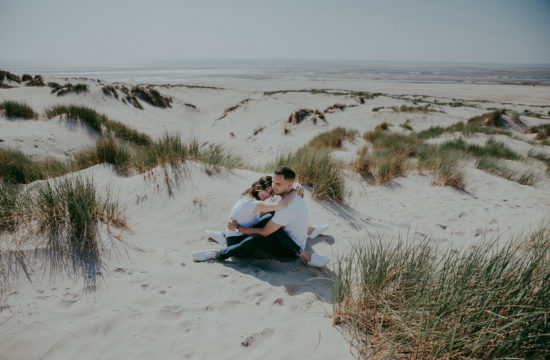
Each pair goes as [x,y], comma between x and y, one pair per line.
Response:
[243,212]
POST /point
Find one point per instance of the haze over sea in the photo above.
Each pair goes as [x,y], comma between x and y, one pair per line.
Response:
[197,71]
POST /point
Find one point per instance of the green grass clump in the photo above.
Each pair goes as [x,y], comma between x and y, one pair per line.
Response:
[18,168]
[67,213]
[495,149]
[497,167]
[493,118]
[541,157]
[492,148]
[467,130]
[389,164]
[15,109]
[98,121]
[315,168]
[410,300]
[9,207]
[381,139]
[332,139]
[68,88]
[109,90]
[542,131]
[413,109]
[9,76]
[444,162]
[108,150]
[152,96]
[385,165]
[170,149]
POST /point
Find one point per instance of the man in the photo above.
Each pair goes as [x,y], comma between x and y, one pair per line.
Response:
[283,234]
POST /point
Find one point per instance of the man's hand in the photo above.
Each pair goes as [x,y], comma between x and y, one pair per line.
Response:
[232,225]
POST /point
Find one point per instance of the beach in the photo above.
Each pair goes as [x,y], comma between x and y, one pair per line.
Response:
[152,300]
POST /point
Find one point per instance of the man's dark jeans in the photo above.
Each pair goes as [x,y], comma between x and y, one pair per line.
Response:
[278,243]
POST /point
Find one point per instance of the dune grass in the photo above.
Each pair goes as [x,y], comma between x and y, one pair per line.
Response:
[541,157]
[466,129]
[444,163]
[99,122]
[410,300]
[69,88]
[315,168]
[9,76]
[18,168]
[65,214]
[493,118]
[492,148]
[392,151]
[151,96]
[332,139]
[542,131]
[16,109]
[497,167]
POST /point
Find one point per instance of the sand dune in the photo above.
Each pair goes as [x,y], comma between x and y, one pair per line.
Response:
[154,301]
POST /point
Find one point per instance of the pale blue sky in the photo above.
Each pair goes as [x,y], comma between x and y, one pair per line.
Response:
[118,31]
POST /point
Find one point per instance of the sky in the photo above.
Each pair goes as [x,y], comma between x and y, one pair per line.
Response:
[132,31]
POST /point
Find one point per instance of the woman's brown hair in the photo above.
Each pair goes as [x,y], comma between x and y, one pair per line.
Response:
[261,184]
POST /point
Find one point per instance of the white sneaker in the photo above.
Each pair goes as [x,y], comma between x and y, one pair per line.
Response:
[318,260]
[217,236]
[318,230]
[204,255]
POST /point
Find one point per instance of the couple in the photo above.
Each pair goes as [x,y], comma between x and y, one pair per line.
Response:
[281,232]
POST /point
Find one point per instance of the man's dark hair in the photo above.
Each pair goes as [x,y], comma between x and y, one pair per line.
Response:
[287,172]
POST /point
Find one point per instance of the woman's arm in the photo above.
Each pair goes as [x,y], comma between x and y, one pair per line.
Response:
[265,207]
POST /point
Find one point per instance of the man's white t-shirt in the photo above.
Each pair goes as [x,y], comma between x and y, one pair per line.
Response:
[243,212]
[294,219]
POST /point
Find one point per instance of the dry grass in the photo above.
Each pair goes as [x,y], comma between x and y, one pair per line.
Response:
[411,301]
[18,110]
[63,216]
[333,139]
[315,168]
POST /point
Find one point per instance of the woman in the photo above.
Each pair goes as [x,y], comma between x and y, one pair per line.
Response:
[253,206]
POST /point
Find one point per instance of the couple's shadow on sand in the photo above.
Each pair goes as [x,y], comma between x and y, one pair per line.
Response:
[291,274]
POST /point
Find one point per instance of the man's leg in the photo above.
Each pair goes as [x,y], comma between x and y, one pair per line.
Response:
[280,244]
[243,248]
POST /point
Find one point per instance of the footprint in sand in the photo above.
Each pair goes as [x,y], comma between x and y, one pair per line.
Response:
[256,338]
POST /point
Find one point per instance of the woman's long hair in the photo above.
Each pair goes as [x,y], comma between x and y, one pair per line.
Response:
[261,184]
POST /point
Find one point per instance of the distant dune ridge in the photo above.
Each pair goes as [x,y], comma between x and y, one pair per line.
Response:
[448,166]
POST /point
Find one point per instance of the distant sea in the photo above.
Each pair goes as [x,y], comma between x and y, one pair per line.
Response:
[204,71]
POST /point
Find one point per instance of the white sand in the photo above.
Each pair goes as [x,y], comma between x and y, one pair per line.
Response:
[154,302]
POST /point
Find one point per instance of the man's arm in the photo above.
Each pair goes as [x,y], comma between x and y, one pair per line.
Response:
[265,207]
[267,230]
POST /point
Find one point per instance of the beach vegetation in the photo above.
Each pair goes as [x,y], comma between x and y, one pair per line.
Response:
[406,125]
[69,88]
[65,213]
[16,109]
[109,90]
[333,139]
[315,168]
[408,299]
[542,131]
[151,96]
[545,158]
[413,109]
[9,76]
[498,167]
[493,118]
[99,122]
